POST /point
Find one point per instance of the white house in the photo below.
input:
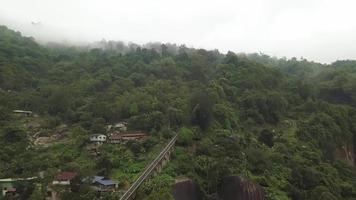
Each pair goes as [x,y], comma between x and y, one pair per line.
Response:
[99,138]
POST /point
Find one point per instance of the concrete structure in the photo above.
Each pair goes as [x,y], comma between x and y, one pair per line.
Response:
[98,138]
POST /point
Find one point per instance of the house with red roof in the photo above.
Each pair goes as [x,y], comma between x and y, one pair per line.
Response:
[11,192]
[64,178]
[115,138]
[118,137]
[61,179]
[138,135]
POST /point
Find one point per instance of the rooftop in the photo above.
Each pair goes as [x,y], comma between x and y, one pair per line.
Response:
[97,178]
[11,190]
[101,180]
[115,137]
[134,134]
[65,176]
[106,182]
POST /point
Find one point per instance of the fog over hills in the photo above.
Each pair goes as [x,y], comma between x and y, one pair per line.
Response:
[98,119]
[319,30]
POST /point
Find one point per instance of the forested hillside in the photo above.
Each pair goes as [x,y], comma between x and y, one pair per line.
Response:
[287,125]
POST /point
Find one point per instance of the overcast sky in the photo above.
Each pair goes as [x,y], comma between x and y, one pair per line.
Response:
[319,30]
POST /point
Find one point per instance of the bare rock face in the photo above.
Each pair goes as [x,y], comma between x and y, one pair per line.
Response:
[236,188]
[346,153]
[186,190]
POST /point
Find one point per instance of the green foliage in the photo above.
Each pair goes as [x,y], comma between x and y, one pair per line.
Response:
[98,126]
[266,137]
[37,194]
[279,122]
[202,109]
[159,188]
[259,160]
[4,113]
[263,107]
[186,136]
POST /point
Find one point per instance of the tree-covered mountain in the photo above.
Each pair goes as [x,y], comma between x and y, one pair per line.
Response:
[288,125]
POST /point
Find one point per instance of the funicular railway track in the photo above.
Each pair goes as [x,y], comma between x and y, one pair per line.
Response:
[154,165]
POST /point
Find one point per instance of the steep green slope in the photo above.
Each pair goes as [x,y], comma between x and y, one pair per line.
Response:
[273,123]
[22,60]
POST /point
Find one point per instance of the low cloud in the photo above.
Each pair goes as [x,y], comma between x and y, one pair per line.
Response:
[319,30]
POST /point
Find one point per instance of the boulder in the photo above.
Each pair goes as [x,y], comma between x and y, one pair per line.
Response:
[186,190]
[237,188]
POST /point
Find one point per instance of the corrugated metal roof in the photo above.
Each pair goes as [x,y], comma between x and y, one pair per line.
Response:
[97,178]
[102,181]
[106,182]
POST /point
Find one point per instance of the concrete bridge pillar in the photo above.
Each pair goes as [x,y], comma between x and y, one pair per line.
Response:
[168,155]
[159,168]
[163,162]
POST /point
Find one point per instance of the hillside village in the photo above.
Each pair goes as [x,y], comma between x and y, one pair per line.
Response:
[85,123]
[116,134]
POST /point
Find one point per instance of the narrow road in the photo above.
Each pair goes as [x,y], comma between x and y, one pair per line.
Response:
[148,170]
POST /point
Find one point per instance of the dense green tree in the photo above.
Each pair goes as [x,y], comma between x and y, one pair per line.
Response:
[286,124]
[202,109]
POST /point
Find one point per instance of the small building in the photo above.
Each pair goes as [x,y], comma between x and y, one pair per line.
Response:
[134,136]
[64,178]
[8,185]
[11,192]
[115,138]
[98,138]
[104,185]
[22,112]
